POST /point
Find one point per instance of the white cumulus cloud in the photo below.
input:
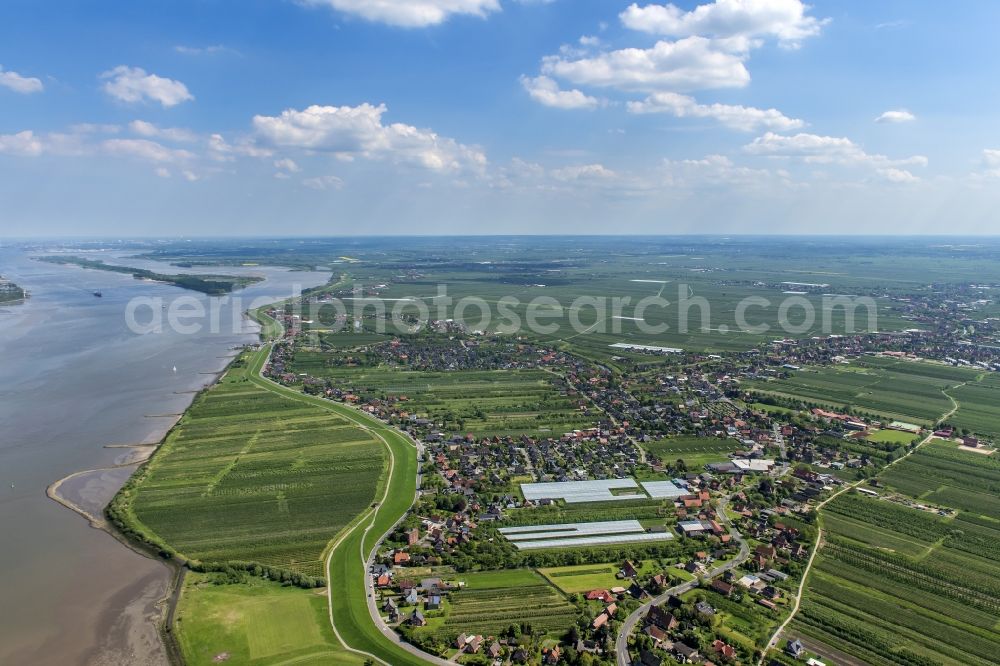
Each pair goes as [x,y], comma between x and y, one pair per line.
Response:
[145,149]
[349,132]
[174,134]
[714,171]
[546,91]
[409,13]
[221,150]
[19,84]
[897,116]
[894,175]
[816,149]
[692,63]
[133,84]
[287,164]
[745,118]
[583,172]
[323,183]
[24,143]
[29,144]
[784,20]
[991,157]
[85,141]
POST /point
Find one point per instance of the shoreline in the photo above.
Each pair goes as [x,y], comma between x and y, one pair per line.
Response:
[165,603]
[105,605]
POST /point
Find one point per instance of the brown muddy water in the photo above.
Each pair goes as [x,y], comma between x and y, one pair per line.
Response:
[73,380]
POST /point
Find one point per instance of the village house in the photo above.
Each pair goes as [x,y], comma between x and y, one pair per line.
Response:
[724,650]
[416,619]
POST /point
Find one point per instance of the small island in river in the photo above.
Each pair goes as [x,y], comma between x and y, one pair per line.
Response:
[10,292]
[213,285]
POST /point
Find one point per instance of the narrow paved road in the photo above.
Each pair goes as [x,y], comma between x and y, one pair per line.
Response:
[819,538]
[373,610]
[628,626]
[367,519]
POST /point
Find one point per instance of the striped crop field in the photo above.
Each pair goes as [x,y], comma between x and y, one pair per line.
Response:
[250,476]
[491,610]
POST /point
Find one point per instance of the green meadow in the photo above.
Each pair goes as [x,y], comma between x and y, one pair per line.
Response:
[892,437]
[257,623]
[696,452]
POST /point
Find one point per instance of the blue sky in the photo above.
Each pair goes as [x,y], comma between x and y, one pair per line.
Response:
[498,116]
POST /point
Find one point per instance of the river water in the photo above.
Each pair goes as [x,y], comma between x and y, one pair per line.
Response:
[75,378]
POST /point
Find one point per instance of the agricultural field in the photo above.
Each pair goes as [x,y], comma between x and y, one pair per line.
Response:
[682,278]
[898,437]
[899,585]
[773,409]
[882,451]
[978,412]
[696,452]
[255,622]
[491,603]
[250,476]
[482,402]
[888,608]
[883,539]
[940,472]
[585,577]
[893,390]
[493,580]
[346,340]
[349,604]
[721,273]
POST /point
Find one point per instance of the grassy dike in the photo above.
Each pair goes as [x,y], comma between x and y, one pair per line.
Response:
[347,560]
[227,620]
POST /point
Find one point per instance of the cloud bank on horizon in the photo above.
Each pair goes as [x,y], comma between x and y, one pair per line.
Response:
[488,116]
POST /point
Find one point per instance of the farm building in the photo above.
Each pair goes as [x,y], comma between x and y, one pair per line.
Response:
[573,492]
[753,465]
[581,534]
[647,348]
[663,489]
[692,528]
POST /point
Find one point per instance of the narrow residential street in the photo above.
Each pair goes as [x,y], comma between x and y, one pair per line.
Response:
[630,623]
[819,539]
